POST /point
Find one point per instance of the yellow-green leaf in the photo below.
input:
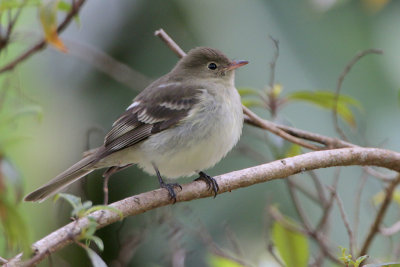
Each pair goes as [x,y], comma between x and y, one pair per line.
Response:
[277,89]
[12,224]
[326,99]
[291,245]
[14,4]
[380,196]
[293,150]
[218,261]
[48,19]
[252,103]
[247,91]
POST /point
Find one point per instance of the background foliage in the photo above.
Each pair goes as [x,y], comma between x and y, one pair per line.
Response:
[77,102]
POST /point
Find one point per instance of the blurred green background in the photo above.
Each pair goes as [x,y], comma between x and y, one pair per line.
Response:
[316,39]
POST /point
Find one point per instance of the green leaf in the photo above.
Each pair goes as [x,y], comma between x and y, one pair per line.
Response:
[97,240]
[14,4]
[252,103]
[360,260]
[326,99]
[87,204]
[48,19]
[291,245]
[380,196]
[13,226]
[71,199]
[64,6]
[89,231]
[346,258]
[78,209]
[247,91]
[293,150]
[95,259]
[218,261]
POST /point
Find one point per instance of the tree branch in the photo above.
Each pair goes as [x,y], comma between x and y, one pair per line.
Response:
[379,216]
[170,43]
[76,5]
[227,182]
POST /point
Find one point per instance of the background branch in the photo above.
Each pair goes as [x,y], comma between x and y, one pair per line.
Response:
[75,7]
[379,216]
[346,70]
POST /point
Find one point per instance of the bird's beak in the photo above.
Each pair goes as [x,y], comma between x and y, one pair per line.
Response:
[236,64]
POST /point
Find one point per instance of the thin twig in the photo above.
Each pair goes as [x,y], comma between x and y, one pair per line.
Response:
[170,43]
[270,248]
[384,177]
[357,204]
[278,217]
[233,241]
[117,70]
[299,209]
[272,101]
[379,216]
[295,135]
[317,236]
[319,260]
[272,64]
[307,192]
[329,142]
[42,43]
[319,188]
[345,220]
[328,208]
[4,40]
[346,70]
[391,230]
[14,19]
[128,248]
[255,120]
[215,249]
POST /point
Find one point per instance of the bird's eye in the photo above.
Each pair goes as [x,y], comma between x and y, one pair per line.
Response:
[212,66]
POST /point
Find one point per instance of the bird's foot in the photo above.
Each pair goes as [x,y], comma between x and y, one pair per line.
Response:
[210,181]
[170,188]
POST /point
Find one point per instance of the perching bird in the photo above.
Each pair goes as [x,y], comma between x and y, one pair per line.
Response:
[181,124]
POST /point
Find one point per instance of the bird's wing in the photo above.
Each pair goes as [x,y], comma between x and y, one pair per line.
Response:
[151,113]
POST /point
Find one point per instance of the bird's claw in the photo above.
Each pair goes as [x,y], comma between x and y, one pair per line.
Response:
[170,188]
[210,181]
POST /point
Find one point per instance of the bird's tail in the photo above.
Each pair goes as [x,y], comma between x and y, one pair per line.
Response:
[75,172]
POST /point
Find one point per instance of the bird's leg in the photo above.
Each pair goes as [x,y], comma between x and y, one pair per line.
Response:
[169,187]
[106,175]
[210,181]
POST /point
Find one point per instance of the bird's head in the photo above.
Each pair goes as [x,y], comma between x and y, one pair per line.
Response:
[209,63]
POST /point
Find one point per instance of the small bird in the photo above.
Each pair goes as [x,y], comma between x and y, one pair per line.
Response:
[181,124]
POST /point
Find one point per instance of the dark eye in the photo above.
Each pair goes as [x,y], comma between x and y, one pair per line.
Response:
[212,66]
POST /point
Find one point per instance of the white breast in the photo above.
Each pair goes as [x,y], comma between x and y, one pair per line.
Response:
[199,142]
